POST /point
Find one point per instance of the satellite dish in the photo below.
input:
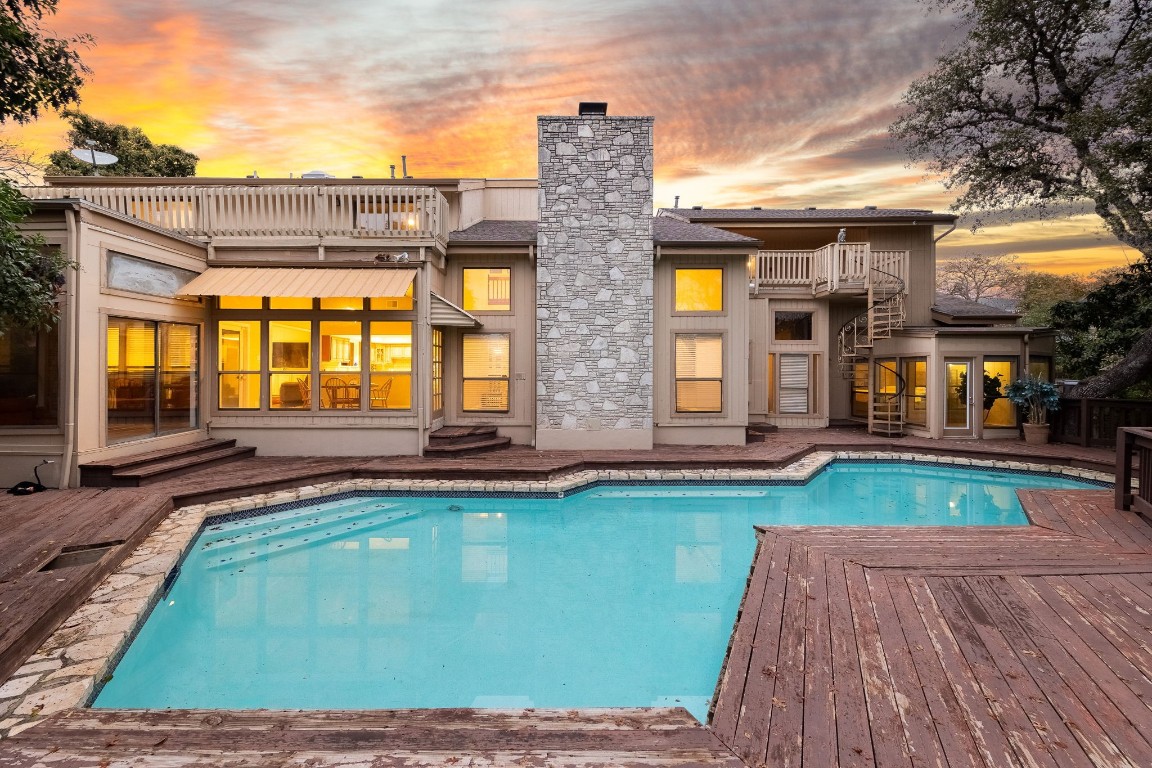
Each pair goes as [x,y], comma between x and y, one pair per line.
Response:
[94,158]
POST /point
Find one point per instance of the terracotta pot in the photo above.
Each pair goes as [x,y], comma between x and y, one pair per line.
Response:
[1036,434]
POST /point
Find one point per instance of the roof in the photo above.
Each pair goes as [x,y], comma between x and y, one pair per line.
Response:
[490,232]
[958,306]
[672,230]
[813,215]
[667,230]
[957,310]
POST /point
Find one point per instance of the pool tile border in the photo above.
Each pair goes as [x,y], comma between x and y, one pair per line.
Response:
[68,670]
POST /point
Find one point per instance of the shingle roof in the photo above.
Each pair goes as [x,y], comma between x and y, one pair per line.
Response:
[496,232]
[667,230]
[958,306]
[830,215]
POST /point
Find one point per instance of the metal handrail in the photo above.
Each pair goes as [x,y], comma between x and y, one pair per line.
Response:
[848,339]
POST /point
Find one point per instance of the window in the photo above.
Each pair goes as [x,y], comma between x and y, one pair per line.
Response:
[1040,366]
[238,364]
[152,376]
[437,370]
[339,364]
[699,373]
[793,326]
[290,363]
[860,390]
[699,290]
[488,289]
[29,377]
[391,386]
[128,273]
[485,385]
[998,410]
[916,391]
[794,384]
[240,302]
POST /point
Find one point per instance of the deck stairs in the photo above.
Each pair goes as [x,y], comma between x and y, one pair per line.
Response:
[153,466]
[451,442]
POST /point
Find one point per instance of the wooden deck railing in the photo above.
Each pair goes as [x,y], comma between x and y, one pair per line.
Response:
[1134,470]
[353,211]
[831,268]
[1093,421]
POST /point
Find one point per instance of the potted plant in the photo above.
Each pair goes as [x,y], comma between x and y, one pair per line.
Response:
[1036,396]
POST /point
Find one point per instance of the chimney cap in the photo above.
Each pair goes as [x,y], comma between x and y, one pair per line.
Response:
[593,108]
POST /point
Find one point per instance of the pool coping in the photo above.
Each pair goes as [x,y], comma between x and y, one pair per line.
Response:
[69,668]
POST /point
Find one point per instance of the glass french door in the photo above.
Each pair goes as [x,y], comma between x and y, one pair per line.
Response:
[958,397]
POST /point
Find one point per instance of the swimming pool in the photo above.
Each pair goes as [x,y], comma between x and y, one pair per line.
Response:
[615,596]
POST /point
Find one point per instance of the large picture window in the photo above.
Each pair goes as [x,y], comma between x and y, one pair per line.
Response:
[152,378]
[699,290]
[699,373]
[391,387]
[998,410]
[29,377]
[315,365]
[487,289]
[485,369]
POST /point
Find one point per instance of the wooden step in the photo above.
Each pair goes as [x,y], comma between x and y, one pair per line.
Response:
[759,432]
[180,465]
[150,466]
[446,435]
[469,447]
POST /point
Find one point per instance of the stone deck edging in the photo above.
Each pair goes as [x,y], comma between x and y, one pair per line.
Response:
[66,670]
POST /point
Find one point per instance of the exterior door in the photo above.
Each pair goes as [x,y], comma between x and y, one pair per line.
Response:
[958,398]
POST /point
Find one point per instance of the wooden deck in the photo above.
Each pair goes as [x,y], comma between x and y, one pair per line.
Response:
[38,528]
[1026,646]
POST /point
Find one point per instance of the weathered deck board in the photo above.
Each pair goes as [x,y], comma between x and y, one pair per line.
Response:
[36,528]
[644,737]
[956,647]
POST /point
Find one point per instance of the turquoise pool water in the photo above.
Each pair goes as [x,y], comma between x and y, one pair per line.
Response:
[616,596]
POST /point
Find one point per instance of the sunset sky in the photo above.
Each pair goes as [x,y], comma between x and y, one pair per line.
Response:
[757,102]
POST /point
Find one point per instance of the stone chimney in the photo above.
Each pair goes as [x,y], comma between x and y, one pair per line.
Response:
[594,283]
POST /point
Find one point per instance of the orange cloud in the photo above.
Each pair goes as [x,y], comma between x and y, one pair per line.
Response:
[756,103]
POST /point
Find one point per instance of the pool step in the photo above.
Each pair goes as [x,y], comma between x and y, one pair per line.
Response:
[313,518]
[451,442]
[152,466]
[280,543]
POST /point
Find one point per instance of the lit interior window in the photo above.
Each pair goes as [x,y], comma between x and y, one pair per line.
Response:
[700,290]
[699,373]
[488,289]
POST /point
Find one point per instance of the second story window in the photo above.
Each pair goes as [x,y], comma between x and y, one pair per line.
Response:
[793,326]
[487,289]
[699,290]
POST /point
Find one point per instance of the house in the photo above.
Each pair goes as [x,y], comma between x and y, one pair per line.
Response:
[326,316]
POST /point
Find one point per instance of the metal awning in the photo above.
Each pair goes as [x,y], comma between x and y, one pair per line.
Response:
[444,312]
[321,283]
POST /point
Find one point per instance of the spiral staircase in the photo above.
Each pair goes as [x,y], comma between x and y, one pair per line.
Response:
[884,314]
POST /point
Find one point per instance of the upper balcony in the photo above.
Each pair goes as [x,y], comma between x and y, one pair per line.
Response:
[356,212]
[844,268]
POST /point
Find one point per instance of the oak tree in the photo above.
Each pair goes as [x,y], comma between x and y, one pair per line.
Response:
[135,152]
[1043,103]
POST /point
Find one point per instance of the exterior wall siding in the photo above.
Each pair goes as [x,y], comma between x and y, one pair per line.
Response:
[732,323]
[594,383]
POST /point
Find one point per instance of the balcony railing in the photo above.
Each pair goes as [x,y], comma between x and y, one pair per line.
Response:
[829,269]
[274,210]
